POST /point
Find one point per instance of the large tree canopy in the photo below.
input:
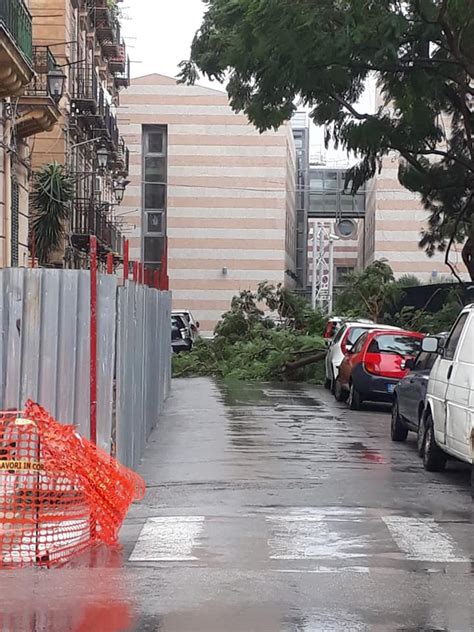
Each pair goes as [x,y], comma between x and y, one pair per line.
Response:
[323,52]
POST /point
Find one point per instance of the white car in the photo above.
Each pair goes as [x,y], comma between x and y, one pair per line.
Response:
[343,342]
[192,324]
[447,427]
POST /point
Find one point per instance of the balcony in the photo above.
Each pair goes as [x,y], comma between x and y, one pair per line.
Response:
[122,78]
[87,97]
[16,43]
[37,110]
[107,28]
[94,218]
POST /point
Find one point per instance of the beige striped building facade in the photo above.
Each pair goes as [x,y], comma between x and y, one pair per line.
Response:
[230,194]
[393,225]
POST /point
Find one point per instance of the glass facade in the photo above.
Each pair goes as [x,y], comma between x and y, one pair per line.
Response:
[327,197]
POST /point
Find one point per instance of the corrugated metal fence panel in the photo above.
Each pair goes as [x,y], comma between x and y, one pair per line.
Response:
[44,344]
[143,366]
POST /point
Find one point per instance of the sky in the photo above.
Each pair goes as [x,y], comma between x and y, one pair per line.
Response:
[158,33]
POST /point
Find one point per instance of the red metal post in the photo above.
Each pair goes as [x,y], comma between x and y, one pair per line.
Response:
[110,263]
[126,251]
[33,249]
[166,279]
[93,340]
[146,273]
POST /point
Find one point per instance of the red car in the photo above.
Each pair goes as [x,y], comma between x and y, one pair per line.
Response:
[375,365]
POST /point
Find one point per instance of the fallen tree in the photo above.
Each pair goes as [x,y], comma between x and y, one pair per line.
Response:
[270,334]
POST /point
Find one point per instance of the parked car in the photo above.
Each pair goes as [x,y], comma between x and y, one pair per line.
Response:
[375,364]
[342,343]
[191,323]
[180,334]
[409,398]
[448,422]
[332,327]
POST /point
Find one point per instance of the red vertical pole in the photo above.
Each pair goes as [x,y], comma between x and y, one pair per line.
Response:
[110,263]
[93,340]
[166,279]
[135,272]
[156,279]
[126,251]
[33,249]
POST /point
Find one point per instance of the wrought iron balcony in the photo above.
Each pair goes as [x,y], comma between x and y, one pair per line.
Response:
[121,159]
[122,78]
[15,46]
[94,218]
[37,111]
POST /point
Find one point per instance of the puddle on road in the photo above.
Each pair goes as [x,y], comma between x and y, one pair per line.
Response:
[91,594]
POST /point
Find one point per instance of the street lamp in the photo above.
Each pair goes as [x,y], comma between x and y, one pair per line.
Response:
[56,79]
[119,189]
[102,158]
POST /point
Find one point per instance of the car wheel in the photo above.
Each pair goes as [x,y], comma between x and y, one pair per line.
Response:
[434,459]
[398,431]
[339,393]
[420,436]
[355,400]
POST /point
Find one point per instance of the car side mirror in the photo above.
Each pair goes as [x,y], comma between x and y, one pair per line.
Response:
[198,324]
[430,344]
[410,364]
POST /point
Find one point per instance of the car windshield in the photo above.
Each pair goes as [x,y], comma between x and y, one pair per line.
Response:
[395,343]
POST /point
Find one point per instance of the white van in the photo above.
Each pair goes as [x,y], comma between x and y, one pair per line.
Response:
[448,422]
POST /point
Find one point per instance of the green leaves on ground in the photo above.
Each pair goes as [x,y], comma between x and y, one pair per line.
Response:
[249,345]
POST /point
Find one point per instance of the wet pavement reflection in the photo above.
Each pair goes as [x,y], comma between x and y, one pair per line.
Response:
[269,508]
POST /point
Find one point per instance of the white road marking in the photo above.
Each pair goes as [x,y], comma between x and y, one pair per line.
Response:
[168,539]
[423,540]
[311,537]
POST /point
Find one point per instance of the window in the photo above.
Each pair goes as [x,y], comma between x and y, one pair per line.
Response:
[154,223]
[452,343]
[155,196]
[155,142]
[395,344]
[425,361]
[360,341]
[154,193]
[339,334]
[354,334]
[341,274]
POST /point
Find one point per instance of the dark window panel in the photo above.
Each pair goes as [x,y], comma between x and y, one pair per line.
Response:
[155,222]
[155,169]
[153,249]
[156,142]
[155,196]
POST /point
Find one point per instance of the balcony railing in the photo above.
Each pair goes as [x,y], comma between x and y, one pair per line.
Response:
[43,62]
[16,20]
[93,218]
[122,79]
[85,83]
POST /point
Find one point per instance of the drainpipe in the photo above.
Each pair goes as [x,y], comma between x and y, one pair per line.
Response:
[6,158]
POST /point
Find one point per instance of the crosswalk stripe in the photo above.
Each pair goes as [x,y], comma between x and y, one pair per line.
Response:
[168,539]
[423,540]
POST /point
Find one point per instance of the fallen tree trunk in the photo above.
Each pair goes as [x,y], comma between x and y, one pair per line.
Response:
[291,367]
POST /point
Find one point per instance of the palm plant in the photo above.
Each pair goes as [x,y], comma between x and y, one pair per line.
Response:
[51,194]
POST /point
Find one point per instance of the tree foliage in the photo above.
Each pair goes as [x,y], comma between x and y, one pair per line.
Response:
[51,194]
[260,338]
[275,53]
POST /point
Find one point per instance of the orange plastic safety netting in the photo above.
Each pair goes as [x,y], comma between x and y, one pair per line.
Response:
[58,492]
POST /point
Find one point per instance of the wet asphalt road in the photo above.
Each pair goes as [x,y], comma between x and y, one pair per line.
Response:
[270,508]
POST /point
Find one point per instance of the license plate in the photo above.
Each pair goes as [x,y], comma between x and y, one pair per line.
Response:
[390,388]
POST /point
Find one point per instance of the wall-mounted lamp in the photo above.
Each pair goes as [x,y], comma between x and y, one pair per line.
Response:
[56,79]
[102,157]
[119,189]
[224,271]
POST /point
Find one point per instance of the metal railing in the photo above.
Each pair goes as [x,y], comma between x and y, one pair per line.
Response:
[84,83]
[43,62]
[16,19]
[93,218]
